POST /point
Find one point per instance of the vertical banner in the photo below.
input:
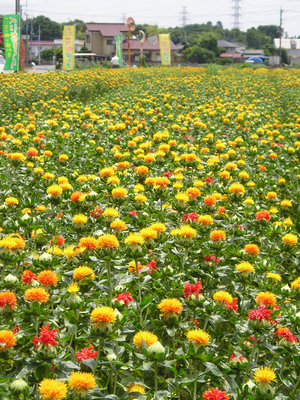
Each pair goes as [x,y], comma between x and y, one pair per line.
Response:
[119,49]
[165,53]
[10,27]
[68,47]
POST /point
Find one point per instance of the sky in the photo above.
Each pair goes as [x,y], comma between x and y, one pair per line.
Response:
[166,13]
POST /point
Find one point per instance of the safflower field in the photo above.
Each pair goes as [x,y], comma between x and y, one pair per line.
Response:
[149,234]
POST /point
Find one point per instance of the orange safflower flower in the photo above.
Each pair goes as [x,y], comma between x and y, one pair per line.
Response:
[81,382]
[82,273]
[77,196]
[36,294]
[170,307]
[266,298]
[251,249]
[47,278]
[8,300]
[210,201]
[148,337]
[7,340]
[217,236]
[89,243]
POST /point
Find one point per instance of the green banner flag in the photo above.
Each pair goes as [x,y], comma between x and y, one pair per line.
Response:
[119,49]
[10,27]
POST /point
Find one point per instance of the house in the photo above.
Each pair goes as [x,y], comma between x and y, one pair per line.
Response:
[292,46]
[152,52]
[100,37]
[253,53]
[78,44]
[236,57]
[232,47]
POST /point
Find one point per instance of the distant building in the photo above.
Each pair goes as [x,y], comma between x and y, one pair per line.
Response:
[292,46]
[152,52]
[253,53]
[100,37]
[232,47]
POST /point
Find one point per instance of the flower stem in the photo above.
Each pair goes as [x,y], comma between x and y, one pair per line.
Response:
[251,359]
[155,378]
[108,264]
[139,291]
[36,323]
[295,387]
[195,383]
[97,357]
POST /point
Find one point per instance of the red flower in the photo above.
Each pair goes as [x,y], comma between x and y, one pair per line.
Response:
[27,277]
[32,153]
[262,168]
[133,213]
[16,329]
[192,289]
[196,321]
[215,394]
[59,215]
[233,306]
[126,297]
[260,314]
[151,265]
[57,240]
[97,212]
[86,353]
[262,215]
[46,337]
[190,217]
[286,334]
[168,174]
[211,258]
[208,179]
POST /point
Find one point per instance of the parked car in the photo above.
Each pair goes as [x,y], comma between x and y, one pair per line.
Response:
[2,63]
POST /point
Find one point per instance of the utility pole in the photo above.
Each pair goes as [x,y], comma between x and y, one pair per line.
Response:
[184,20]
[31,32]
[280,33]
[39,46]
[17,7]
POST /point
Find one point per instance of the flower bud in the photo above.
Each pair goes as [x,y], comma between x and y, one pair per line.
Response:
[74,299]
[119,289]
[156,348]
[19,386]
[45,258]
[111,357]
[11,279]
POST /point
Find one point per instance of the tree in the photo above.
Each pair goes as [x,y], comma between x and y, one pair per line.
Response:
[199,55]
[49,29]
[47,54]
[79,26]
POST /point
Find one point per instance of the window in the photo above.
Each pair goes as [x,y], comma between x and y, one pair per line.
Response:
[158,57]
[136,58]
[87,39]
[110,42]
[293,44]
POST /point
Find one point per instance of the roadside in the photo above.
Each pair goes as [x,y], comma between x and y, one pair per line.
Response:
[40,69]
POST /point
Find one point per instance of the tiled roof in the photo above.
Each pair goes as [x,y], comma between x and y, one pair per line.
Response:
[136,45]
[41,42]
[231,55]
[106,29]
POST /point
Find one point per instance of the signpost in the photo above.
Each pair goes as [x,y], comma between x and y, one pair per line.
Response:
[11,38]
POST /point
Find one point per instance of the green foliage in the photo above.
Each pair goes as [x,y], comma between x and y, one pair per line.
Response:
[199,55]
[47,54]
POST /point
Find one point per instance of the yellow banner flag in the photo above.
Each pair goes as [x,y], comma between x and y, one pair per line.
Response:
[68,47]
[165,53]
